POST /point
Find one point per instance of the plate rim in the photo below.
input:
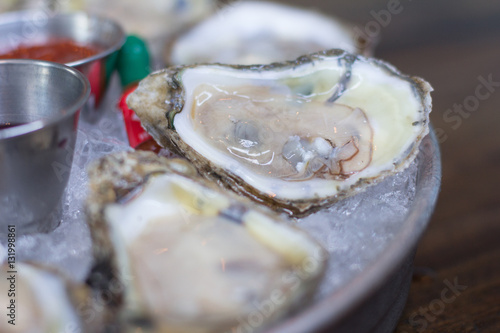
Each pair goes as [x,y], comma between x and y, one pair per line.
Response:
[342,302]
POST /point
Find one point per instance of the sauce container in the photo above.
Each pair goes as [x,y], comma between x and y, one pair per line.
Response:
[44,100]
[28,28]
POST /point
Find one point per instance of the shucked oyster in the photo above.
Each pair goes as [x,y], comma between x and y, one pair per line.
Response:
[257,32]
[39,300]
[297,135]
[188,256]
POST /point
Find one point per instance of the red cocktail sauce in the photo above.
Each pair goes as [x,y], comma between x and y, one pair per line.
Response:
[57,50]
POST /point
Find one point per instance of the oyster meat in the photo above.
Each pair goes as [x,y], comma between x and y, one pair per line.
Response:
[39,300]
[151,19]
[296,135]
[189,257]
[259,32]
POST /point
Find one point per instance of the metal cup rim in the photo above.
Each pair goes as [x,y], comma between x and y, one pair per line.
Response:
[69,112]
[22,16]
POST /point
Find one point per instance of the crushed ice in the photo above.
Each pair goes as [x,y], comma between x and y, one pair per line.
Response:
[68,247]
[354,231]
[357,229]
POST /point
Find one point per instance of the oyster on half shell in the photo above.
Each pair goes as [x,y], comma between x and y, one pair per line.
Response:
[257,32]
[38,299]
[179,254]
[297,135]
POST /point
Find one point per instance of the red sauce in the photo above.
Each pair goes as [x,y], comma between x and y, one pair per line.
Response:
[57,50]
[150,145]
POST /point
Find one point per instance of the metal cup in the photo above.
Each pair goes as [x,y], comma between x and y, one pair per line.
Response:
[36,156]
[28,27]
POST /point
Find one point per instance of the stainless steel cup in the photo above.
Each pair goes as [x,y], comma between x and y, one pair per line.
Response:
[35,157]
[29,27]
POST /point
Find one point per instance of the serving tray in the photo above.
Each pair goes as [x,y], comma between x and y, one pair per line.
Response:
[371,237]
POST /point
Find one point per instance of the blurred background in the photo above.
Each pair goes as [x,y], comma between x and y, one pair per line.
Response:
[455,45]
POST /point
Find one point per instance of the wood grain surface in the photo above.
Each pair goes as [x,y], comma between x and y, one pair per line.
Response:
[462,242]
[452,44]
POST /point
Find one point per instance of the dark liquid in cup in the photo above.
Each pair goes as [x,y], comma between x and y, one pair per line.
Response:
[8,125]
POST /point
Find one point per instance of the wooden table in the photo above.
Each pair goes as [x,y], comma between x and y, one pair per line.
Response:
[455,45]
[462,243]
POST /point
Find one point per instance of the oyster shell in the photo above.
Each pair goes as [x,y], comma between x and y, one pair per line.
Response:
[189,257]
[260,32]
[297,135]
[40,300]
[151,19]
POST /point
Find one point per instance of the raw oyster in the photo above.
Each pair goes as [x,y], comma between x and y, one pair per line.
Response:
[296,135]
[189,257]
[259,32]
[39,300]
[151,19]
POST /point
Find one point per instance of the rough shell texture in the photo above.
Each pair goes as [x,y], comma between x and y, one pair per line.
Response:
[40,286]
[119,178]
[160,97]
[111,179]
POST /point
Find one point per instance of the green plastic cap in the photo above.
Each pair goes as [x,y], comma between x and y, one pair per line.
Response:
[133,62]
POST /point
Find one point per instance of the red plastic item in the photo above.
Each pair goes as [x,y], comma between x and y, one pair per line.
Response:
[136,134]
